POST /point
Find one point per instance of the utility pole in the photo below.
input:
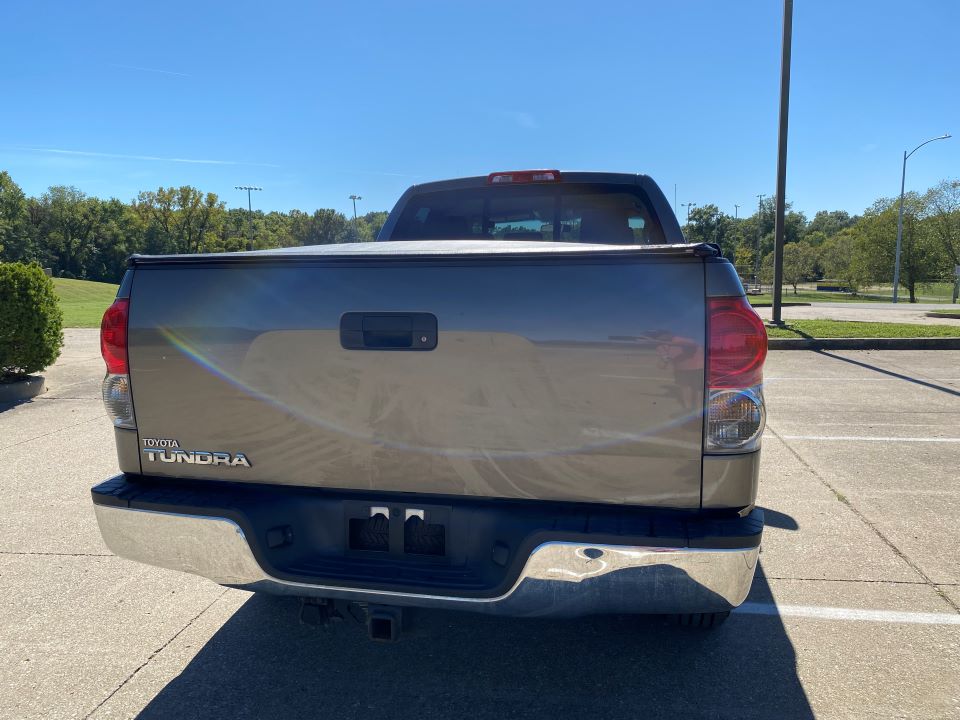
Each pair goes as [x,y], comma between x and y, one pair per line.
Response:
[249,189]
[756,255]
[778,227]
[903,180]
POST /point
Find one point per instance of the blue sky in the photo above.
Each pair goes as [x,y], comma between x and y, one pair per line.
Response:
[315,101]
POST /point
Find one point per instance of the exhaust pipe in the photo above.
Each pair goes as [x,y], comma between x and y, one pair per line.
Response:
[384,623]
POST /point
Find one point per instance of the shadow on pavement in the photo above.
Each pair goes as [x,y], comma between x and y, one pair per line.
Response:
[263,664]
[774,518]
[891,373]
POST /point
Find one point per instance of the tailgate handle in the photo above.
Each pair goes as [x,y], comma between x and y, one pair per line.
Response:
[388,331]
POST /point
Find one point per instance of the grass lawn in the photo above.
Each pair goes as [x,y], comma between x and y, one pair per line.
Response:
[83,301]
[850,329]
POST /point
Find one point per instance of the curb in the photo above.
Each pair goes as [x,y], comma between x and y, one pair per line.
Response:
[928,343]
[22,390]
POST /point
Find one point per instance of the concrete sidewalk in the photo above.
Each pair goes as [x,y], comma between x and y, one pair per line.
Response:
[865,312]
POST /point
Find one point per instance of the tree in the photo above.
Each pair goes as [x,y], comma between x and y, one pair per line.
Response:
[837,257]
[942,209]
[799,263]
[66,222]
[921,256]
[943,213]
[15,236]
[180,220]
[324,227]
[31,322]
[830,222]
[375,221]
[708,225]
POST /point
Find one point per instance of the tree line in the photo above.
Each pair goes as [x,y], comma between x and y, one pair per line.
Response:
[853,251]
[79,236]
[86,237]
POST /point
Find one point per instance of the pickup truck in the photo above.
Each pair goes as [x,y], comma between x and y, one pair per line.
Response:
[528,397]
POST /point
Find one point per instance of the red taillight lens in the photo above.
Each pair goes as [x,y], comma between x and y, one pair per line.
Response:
[113,337]
[736,344]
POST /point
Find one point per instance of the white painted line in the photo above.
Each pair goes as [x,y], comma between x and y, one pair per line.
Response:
[871,438]
[831,613]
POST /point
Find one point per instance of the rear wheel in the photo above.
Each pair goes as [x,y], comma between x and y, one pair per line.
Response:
[701,620]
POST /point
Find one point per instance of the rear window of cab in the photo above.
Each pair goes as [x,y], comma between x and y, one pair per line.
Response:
[615,214]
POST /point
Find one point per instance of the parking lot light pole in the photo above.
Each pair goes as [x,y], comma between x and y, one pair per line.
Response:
[249,188]
[903,180]
[781,198]
[756,255]
[688,205]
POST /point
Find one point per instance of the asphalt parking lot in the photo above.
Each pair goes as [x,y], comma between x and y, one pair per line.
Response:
[853,613]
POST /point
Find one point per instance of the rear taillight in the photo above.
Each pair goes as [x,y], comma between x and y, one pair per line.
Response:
[736,349]
[113,336]
[113,346]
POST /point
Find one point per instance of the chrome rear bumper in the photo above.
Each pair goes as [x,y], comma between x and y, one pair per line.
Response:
[559,579]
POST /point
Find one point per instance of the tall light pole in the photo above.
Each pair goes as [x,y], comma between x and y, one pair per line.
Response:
[688,206]
[781,198]
[736,211]
[756,255]
[903,180]
[249,189]
[356,234]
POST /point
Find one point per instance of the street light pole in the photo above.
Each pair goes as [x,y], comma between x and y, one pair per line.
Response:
[756,255]
[903,181]
[781,206]
[688,206]
[249,188]
[736,211]
[356,235]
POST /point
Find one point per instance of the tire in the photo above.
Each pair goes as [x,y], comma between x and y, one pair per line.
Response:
[705,621]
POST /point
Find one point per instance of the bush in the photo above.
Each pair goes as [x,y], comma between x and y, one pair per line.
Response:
[31,322]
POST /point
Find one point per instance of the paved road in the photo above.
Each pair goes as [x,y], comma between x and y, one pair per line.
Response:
[853,613]
[866,312]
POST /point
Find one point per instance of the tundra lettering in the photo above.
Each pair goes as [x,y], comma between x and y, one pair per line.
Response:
[196,457]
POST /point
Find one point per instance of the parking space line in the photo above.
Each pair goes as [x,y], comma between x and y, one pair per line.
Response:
[832,613]
[870,438]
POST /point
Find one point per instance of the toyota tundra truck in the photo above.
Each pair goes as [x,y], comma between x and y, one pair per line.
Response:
[528,397]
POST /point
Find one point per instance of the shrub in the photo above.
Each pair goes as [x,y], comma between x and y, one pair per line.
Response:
[31,322]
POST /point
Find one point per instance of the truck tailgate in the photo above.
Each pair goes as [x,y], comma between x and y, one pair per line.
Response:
[573,376]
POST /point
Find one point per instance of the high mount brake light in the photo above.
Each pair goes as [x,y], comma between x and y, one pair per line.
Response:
[516,177]
[113,337]
[736,344]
